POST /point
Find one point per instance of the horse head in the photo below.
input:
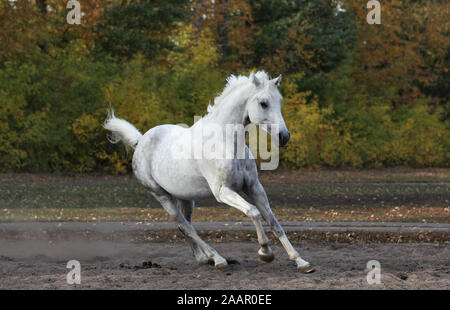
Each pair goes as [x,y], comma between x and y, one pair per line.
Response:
[264,106]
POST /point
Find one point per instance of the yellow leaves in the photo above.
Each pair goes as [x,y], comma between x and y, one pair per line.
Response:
[420,139]
[116,162]
[294,48]
[83,126]
[407,49]
[134,96]
[307,125]
[230,26]
[193,49]
[368,136]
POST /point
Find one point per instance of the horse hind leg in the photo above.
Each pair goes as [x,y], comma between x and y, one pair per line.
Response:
[187,207]
[170,205]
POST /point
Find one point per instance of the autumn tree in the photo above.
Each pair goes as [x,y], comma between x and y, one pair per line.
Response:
[130,27]
[407,55]
[301,35]
[230,24]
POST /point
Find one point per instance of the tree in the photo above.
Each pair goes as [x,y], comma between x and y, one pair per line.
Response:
[230,23]
[301,35]
[131,27]
[406,57]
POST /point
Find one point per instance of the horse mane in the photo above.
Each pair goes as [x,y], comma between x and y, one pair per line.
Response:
[234,82]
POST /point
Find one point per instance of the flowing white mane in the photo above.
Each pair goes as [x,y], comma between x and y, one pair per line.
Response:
[232,83]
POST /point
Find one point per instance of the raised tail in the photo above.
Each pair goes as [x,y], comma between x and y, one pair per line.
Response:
[121,130]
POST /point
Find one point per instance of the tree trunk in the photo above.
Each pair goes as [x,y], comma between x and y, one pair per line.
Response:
[223,26]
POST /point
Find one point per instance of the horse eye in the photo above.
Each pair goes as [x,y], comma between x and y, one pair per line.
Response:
[264,104]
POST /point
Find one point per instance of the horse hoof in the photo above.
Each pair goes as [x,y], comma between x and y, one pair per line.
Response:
[306,269]
[266,257]
[222,266]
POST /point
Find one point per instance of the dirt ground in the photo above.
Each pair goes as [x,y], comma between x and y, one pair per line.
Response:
[139,259]
[41,264]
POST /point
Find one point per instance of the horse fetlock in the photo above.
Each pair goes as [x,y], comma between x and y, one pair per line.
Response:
[300,262]
[294,256]
[201,259]
[292,253]
[199,255]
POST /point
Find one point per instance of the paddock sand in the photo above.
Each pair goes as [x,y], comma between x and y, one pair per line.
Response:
[41,264]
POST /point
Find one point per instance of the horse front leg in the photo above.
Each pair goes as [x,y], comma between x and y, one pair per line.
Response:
[258,195]
[233,199]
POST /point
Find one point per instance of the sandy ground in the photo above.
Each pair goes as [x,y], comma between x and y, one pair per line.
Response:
[41,264]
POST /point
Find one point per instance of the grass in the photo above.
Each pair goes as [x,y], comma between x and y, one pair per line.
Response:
[389,195]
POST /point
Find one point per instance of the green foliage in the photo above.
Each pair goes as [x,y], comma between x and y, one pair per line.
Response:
[41,100]
[361,131]
[355,95]
[193,78]
[52,110]
[131,27]
[302,34]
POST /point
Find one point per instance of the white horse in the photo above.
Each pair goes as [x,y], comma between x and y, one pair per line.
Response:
[177,181]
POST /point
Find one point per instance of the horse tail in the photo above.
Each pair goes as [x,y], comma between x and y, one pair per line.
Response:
[121,130]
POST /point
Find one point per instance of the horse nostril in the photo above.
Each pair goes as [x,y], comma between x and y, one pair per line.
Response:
[283,138]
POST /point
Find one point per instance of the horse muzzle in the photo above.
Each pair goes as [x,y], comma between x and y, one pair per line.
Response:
[283,138]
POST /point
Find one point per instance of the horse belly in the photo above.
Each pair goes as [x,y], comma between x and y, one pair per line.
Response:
[180,177]
[188,188]
[181,181]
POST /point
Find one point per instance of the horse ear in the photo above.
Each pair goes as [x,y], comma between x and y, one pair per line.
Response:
[277,81]
[254,79]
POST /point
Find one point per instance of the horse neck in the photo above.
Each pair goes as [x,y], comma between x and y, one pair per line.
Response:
[231,110]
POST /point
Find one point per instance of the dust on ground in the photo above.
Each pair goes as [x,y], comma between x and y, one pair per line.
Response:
[41,264]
